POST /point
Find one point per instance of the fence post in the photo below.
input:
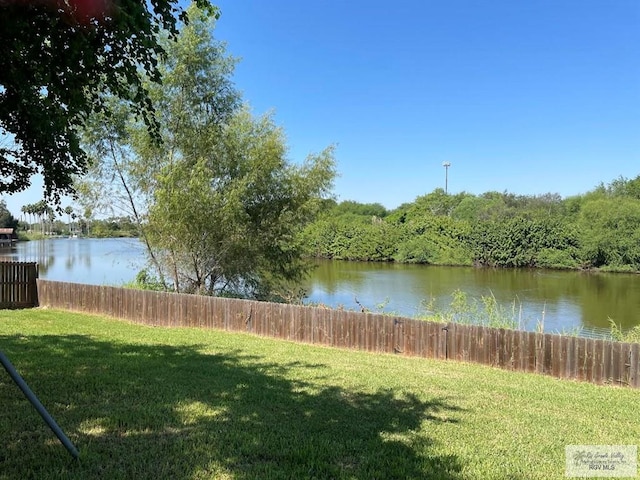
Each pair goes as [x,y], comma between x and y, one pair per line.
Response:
[446,340]
[634,366]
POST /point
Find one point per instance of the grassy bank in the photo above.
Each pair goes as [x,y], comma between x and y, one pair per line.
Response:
[143,402]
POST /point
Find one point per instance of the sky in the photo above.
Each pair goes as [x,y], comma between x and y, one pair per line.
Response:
[528,96]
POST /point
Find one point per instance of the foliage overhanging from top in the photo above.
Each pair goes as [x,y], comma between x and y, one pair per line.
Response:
[55,66]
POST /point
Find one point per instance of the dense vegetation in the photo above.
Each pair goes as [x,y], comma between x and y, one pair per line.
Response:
[599,229]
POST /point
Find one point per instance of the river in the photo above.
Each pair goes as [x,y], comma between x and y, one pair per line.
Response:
[561,301]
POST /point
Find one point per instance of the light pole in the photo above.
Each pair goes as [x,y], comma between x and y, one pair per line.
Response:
[446,166]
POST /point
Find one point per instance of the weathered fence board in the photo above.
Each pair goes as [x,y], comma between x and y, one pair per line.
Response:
[592,360]
[634,359]
[18,285]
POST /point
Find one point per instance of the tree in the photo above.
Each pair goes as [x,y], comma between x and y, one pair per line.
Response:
[125,159]
[33,209]
[218,205]
[610,233]
[364,209]
[231,226]
[28,210]
[25,211]
[56,64]
[69,211]
[7,220]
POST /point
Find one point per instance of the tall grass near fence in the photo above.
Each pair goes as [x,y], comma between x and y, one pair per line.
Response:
[591,360]
[485,311]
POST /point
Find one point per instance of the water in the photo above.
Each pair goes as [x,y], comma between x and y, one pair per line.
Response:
[564,301]
[108,261]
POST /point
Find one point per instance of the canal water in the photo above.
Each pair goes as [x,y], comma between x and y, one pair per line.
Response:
[559,301]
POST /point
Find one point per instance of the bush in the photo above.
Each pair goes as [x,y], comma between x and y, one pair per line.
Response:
[554,258]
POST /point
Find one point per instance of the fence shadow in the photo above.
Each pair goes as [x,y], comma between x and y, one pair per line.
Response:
[174,412]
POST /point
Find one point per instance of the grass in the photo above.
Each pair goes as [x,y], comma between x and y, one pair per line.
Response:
[467,310]
[486,311]
[631,335]
[142,402]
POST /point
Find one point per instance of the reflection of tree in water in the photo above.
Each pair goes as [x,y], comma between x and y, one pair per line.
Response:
[39,251]
[332,276]
[610,295]
[72,252]
[77,251]
[8,253]
[69,262]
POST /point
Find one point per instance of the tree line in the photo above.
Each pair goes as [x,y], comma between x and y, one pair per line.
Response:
[596,230]
[40,219]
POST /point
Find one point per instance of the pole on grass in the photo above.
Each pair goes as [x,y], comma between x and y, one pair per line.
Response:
[37,405]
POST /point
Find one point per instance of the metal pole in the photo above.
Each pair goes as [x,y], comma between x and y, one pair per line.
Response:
[446,179]
[446,166]
[38,406]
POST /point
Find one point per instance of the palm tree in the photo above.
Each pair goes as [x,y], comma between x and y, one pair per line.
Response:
[25,212]
[69,211]
[40,210]
[51,216]
[30,209]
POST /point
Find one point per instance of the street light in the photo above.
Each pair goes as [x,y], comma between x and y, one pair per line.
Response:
[446,166]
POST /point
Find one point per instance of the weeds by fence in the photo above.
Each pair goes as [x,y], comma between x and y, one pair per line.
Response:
[592,360]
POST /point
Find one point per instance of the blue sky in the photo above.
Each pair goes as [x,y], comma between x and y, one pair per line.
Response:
[528,96]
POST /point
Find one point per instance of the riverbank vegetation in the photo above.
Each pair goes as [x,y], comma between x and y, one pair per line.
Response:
[192,403]
[597,230]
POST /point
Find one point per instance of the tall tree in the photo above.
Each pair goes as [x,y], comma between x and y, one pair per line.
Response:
[69,211]
[228,221]
[125,159]
[7,220]
[57,59]
[25,212]
[217,203]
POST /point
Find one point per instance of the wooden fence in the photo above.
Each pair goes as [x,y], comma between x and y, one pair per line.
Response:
[585,359]
[18,284]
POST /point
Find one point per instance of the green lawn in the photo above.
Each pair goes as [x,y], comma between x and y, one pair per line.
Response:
[142,402]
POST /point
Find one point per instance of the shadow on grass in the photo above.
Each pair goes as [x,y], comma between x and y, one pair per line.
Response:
[174,412]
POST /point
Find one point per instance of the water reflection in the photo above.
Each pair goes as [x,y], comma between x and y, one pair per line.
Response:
[95,261]
[561,300]
[39,252]
[564,300]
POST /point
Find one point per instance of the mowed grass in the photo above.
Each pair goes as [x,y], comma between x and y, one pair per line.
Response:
[142,402]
